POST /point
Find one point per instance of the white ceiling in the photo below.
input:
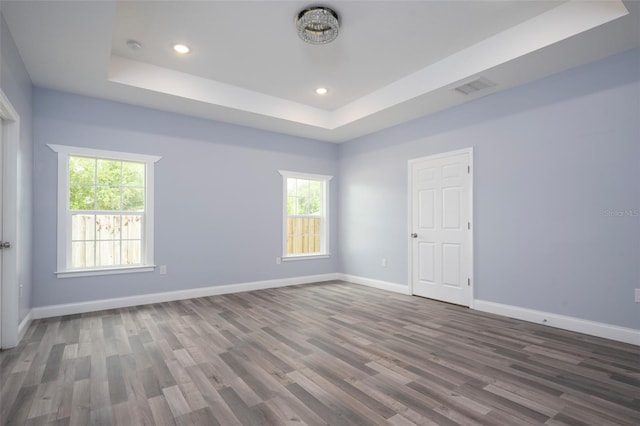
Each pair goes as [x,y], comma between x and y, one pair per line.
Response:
[248,67]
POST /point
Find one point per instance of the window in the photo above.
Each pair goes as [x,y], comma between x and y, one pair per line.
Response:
[306,221]
[105,211]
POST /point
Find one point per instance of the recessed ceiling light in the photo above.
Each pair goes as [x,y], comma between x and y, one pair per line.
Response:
[181,48]
[321,90]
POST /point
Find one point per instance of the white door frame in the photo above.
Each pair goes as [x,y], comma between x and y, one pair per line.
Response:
[410,214]
[9,281]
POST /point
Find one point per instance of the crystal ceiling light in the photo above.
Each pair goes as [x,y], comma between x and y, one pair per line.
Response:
[318,25]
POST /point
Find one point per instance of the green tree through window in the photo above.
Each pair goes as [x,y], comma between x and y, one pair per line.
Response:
[102,184]
[106,202]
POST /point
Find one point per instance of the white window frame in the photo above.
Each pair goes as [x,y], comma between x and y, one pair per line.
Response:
[324,220]
[64,269]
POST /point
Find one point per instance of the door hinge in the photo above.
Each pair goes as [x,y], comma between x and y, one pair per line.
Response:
[469,282]
[468,225]
[468,170]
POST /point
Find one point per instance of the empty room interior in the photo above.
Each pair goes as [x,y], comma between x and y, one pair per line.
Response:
[339,213]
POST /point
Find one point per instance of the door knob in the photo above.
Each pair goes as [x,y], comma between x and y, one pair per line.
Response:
[414,235]
[5,245]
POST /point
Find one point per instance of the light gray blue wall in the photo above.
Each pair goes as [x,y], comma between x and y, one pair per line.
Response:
[218,196]
[16,85]
[554,160]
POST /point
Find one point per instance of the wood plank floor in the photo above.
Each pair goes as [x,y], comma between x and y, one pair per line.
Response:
[329,353]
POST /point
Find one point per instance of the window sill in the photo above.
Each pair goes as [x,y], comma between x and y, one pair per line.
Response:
[105,271]
[305,257]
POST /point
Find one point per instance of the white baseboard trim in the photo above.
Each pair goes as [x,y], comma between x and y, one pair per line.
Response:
[145,299]
[607,331]
[24,325]
[598,329]
[382,285]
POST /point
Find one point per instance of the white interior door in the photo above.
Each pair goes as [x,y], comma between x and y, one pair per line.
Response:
[9,289]
[441,253]
[1,208]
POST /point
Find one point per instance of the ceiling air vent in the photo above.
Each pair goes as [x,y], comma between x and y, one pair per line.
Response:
[475,86]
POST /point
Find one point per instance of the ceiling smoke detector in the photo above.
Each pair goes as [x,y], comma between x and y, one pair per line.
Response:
[134,45]
[318,25]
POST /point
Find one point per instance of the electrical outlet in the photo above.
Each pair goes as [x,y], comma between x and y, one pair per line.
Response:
[383,262]
[163,269]
[637,295]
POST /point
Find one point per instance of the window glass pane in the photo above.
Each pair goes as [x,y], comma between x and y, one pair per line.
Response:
[133,199]
[81,197]
[107,198]
[315,190]
[291,186]
[315,186]
[132,174]
[291,205]
[303,188]
[109,172]
[304,205]
[314,207]
[303,235]
[107,227]
[82,254]
[131,227]
[108,253]
[82,170]
[131,252]
[314,240]
[309,235]
[297,245]
[83,227]
[293,224]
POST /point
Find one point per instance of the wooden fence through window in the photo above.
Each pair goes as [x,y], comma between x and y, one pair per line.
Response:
[303,235]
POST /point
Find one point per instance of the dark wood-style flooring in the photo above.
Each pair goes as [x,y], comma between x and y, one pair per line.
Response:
[329,353]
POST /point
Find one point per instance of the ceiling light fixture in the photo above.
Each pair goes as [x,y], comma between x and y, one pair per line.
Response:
[318,25]
[321,90]
[181,48]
